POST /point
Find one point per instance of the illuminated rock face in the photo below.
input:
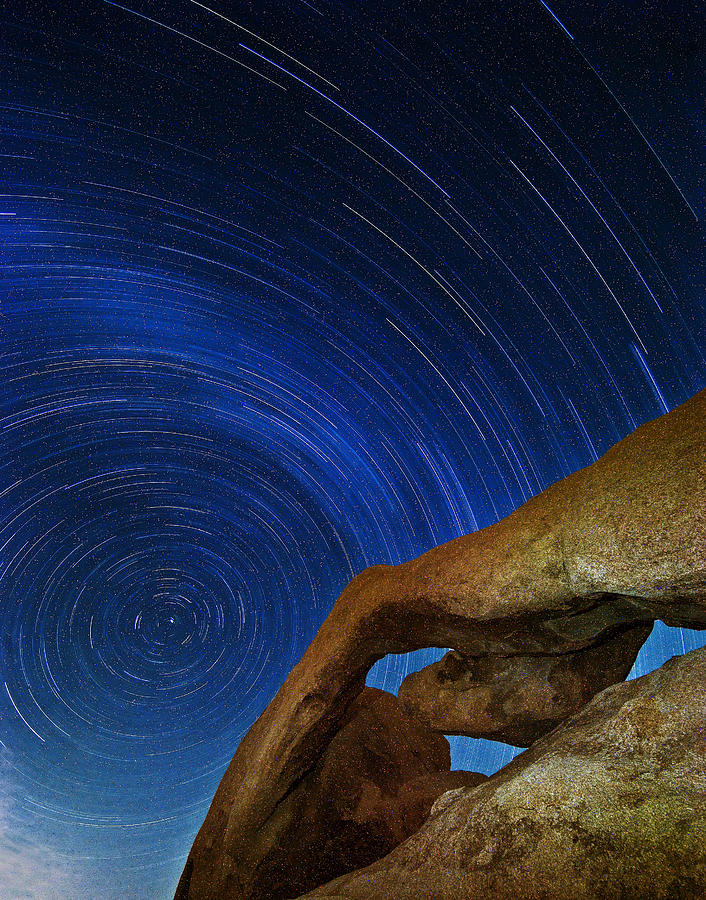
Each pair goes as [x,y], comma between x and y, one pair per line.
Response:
[543,609]
[611,804]
[517,698]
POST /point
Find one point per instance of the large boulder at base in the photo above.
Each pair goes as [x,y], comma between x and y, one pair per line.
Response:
[612,804]
[373,787]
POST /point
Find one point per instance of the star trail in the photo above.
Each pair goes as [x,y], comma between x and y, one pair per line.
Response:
[290,289]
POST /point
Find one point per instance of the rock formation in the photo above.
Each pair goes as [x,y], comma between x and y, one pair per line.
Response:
[588,564]
[517,699]
[372,788]
[611,804]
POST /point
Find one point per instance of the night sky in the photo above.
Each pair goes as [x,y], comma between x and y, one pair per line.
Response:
[288,290]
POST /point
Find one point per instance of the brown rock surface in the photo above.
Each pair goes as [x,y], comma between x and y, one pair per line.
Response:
[373,787]
[516,698]
[618,544]
[611,804]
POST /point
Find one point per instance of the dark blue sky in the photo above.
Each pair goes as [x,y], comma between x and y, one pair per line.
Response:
[288,290]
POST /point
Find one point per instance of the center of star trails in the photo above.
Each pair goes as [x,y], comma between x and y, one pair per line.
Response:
[167,624]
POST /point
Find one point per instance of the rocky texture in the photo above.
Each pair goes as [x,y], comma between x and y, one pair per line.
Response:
[611,547]
[611,804]
[373,787]
[516,699]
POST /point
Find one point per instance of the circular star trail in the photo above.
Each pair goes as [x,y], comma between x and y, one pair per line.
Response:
[289,290]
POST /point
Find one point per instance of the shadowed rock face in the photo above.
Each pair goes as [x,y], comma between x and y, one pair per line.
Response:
[528,602]
[373,787]
[611,804]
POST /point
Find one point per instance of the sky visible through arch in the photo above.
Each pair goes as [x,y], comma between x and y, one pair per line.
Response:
[289,289]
